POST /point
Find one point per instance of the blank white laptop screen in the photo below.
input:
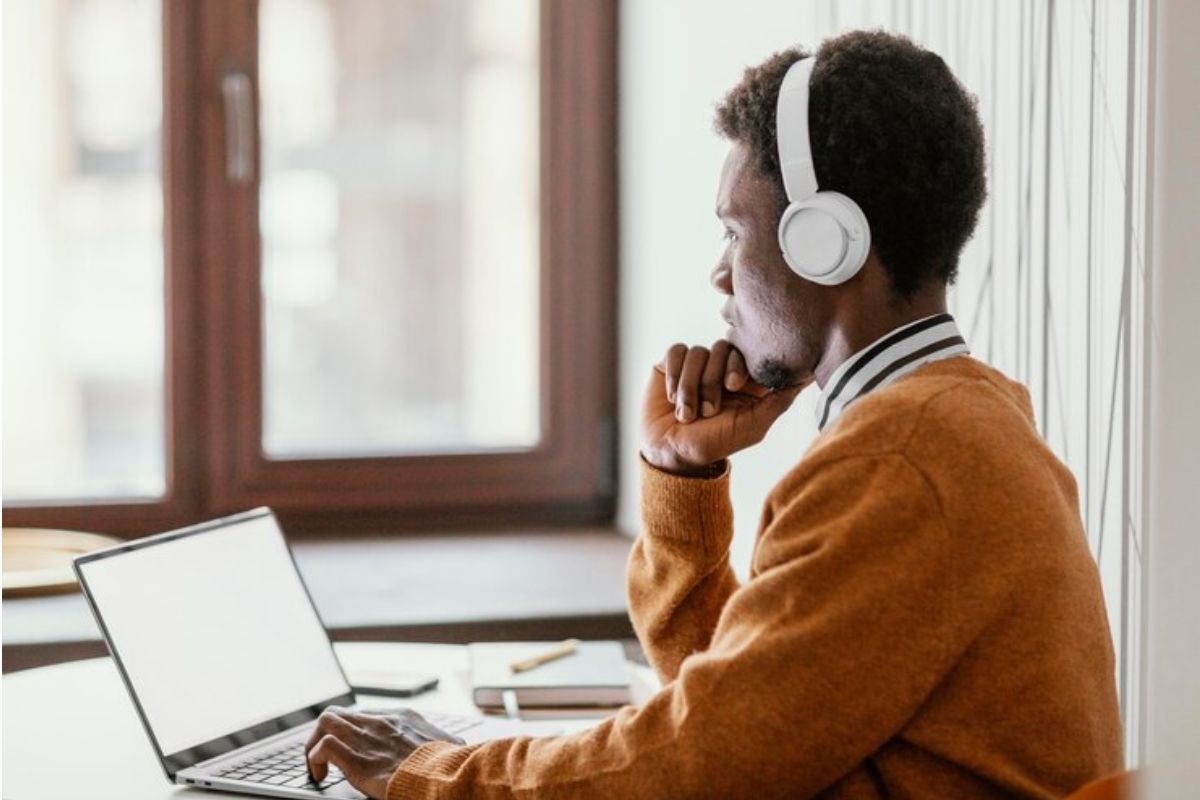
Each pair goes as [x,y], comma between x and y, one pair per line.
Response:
[215,631]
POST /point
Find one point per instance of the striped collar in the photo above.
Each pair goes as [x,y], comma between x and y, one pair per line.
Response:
[886,359]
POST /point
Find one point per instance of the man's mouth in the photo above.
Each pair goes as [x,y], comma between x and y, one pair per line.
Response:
[731,331]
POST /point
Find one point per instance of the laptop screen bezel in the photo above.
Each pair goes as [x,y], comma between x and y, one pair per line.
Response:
[172,763]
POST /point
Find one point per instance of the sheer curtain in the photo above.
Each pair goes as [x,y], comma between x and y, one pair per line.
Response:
[1052,288]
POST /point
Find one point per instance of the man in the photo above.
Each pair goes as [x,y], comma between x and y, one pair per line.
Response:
[923,618]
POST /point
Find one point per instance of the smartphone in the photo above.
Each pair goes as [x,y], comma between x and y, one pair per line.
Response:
[389,683]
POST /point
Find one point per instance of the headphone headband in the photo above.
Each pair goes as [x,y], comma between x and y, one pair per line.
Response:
[824,236]
[791,132]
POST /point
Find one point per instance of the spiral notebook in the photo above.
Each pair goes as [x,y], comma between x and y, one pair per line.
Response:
[595,675]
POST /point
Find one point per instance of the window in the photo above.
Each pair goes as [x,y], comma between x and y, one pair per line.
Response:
[353,259]
[83,251]
[398,214]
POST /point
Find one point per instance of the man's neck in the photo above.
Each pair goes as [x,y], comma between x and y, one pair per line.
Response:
[866,323]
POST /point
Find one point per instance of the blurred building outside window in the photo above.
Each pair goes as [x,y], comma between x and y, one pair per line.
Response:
[399,221]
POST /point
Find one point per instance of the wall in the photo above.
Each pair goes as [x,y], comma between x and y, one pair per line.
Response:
[1174,455]
[677,60]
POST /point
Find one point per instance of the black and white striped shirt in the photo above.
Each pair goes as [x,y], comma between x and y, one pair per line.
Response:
[886,359]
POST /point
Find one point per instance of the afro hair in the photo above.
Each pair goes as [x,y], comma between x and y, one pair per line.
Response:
[892,128]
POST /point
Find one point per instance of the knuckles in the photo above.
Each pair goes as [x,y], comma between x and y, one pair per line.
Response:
[333,712]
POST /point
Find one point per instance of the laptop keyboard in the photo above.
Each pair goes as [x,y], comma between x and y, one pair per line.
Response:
[283,767]
[286,766]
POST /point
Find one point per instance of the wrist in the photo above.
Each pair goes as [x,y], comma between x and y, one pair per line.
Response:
[683,469]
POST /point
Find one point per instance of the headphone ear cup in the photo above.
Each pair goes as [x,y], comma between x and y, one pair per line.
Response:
[858,234]
[811,239]
[825,239]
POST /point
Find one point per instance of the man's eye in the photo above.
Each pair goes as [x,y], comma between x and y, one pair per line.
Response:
[729,235]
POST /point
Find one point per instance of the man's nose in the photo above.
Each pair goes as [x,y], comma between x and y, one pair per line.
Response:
[722,278]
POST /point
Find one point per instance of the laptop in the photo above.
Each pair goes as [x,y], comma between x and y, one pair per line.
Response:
[226,660]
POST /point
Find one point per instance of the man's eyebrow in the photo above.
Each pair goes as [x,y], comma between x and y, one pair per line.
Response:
[727,211]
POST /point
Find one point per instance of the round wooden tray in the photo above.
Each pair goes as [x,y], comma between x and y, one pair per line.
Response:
[38,560]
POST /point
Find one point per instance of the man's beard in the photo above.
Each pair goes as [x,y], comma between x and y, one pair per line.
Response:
[775,375]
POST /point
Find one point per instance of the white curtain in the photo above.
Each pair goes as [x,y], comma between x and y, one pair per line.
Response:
[1052,287]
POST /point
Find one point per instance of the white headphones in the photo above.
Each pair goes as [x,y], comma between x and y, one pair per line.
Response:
[824,236]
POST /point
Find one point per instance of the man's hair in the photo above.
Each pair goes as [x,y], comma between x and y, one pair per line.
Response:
[892,128]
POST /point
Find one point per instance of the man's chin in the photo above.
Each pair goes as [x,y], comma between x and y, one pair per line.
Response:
[773,374]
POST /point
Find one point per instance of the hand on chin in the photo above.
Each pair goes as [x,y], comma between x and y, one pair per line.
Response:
[701,406]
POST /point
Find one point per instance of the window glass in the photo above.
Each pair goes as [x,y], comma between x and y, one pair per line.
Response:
[399,221]
[83,250]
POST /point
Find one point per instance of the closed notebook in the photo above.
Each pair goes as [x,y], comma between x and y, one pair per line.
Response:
[594,675]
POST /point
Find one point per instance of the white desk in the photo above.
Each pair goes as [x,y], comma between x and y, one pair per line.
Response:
[71,731]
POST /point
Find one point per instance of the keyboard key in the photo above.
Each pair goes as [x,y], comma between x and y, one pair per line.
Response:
[284,766]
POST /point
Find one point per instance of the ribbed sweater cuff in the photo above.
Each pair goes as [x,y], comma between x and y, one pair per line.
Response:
[417,777]
[692,511]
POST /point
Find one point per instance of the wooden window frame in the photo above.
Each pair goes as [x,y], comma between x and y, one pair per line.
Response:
[213,376]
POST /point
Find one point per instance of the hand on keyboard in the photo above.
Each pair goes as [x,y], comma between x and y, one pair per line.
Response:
[283,767]
[367,746]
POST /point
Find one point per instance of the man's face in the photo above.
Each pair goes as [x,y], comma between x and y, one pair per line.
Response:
[777,319]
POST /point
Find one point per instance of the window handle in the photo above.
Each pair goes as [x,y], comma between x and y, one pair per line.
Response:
[237,93]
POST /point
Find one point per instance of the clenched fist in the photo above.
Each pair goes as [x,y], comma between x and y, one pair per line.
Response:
[701,407]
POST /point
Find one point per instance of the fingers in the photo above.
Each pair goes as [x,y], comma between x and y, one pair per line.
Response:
[671,366]
[694,378]
[687,400]
[336,724]
[736,372]
[329,750]
[335,720]
[713,378]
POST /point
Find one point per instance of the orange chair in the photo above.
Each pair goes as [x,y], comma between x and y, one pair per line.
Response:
[1121,786]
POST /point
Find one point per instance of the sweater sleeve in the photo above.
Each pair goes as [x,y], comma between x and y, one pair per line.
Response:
[679,577]
[861,603]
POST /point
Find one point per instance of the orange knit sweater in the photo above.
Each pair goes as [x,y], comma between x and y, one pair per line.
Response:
[923,620]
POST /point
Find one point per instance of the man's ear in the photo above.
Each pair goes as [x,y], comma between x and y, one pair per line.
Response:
[873,285]
[874,261]
[879,271]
